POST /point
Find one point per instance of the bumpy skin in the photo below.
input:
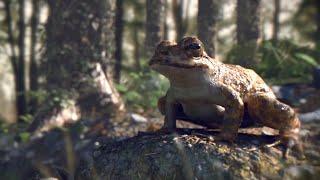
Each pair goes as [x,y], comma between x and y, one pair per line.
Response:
[216,95]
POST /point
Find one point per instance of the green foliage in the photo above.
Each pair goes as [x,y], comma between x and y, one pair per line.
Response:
[14,132]
[4,128]
[24,137]
[143,89]
[39,95]
[58,98]
[286,61]
[282,62]
[26,118]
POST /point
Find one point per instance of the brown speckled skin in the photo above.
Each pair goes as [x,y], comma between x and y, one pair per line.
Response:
[215,95]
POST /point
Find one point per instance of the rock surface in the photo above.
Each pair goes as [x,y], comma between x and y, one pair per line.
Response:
[195,155]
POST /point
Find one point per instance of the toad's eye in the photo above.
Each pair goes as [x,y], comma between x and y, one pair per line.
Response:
[193,46]
[194,49]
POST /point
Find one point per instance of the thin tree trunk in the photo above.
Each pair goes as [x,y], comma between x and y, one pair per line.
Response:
[33,72]
[177,18]
[318,23]
[248,17]
[107,11]
[208,14]
[118,40]
[317,33]
[276,23]
[181,22]
[11,40]
[165,21]
[136,52]
[20,83]
[154,25]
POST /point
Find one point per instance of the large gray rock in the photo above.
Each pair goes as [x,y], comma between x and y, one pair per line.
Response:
[192,156]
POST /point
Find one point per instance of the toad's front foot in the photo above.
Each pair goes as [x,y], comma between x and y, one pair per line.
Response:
[291,142]
[165,129]
[228,137]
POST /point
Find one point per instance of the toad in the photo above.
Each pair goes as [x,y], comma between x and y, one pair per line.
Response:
[207,92]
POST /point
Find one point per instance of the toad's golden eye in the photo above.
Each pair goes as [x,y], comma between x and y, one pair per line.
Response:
[194,49]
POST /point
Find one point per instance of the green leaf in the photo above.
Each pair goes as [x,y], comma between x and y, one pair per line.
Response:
[26,117]
[268,45]
[25,136]
[308,59]
[121,88]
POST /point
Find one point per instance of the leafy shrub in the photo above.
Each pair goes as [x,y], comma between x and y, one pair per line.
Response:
[143,89]
[286,61]
[282,62]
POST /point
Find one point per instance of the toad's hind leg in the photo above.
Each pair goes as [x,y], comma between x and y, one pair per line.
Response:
[265,109]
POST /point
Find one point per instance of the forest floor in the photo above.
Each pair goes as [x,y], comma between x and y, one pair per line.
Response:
[60,153]
[64,152]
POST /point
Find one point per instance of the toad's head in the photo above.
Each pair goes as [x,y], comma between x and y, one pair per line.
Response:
[183,56]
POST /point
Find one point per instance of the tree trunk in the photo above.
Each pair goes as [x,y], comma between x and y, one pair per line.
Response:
[317,33]
[165,21]
[136,52]
[11,40]
[75,64]
[248,17]
[318,23]
[208,14]
[33,71]
[276,24]
[181,22]
[118,40]
[20,76]
[12,45]
[154,25]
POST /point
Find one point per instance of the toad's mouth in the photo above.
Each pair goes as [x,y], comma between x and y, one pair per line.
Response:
[167,62]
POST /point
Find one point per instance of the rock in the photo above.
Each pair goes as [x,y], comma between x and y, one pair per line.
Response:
[173,156]
[299,172]
[310,116]
[285,93]
[138,118]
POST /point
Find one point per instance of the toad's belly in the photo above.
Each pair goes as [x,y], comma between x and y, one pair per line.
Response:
[211,115]
[204,113]
[204,95]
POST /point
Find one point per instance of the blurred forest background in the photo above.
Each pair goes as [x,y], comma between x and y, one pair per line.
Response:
[71,59]
[79,68]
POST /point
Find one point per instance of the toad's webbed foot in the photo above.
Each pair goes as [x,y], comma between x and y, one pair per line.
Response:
[291,142]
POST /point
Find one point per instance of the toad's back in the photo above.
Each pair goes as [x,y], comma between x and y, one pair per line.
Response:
[245,81]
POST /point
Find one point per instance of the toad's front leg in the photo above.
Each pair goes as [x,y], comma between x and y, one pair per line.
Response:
[234,109]
[169,106]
